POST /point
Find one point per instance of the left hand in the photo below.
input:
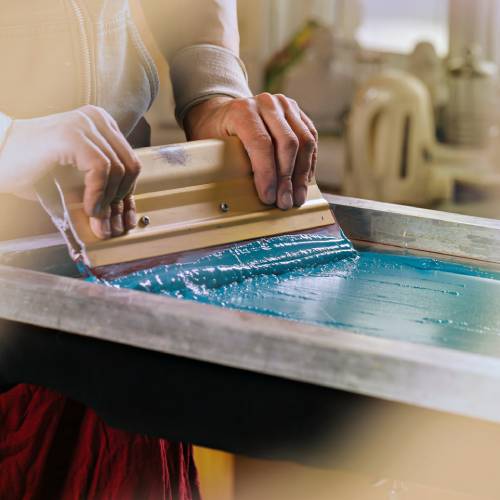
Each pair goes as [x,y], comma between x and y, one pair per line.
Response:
[278,136]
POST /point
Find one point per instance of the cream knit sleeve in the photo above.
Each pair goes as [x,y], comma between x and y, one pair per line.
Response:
[199,72]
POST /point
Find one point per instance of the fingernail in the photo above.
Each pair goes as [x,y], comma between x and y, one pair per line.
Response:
[101,228]
[117,225]
[300,196]
[106,227]
[270,196]
[130,219]
[286,200]
[97,209]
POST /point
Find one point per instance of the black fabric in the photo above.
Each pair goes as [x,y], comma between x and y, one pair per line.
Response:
[247,413]
[175,398]
[140,137]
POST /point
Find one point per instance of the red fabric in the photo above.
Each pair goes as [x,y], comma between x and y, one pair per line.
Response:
[55,448]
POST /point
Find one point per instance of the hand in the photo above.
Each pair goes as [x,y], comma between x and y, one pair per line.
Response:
[89,139]
[278,136]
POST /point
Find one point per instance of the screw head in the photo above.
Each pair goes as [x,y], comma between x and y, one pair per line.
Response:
[224,207]
[144,221]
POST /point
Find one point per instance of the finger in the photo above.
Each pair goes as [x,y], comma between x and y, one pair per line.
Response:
[315,134]
[101,226]
[130,214]
[286,146]
[108,127]
[117,226]
[309,124]
[246,123]
[116,171]
[129,179]
[96,165]
[312,172]
[305,155]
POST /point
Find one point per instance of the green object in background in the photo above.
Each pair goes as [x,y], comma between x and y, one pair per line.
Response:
[287,57]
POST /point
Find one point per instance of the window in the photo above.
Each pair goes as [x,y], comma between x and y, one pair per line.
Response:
[396,25]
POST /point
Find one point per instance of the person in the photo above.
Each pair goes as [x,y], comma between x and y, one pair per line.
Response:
[77,77]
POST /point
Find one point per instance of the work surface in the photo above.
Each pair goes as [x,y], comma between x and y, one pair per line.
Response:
[429,376]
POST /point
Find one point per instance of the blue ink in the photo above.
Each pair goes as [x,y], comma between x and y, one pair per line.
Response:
[277,255]
[321,279]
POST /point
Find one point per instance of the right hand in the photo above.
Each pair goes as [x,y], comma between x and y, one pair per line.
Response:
[89,139]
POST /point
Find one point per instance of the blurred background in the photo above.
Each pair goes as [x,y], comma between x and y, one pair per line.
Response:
[404,94]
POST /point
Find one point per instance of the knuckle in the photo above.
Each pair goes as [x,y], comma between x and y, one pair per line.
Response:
[130,201]
[290,143]
[265,95]
[94,110]
[308,142]
[102,112]
[135,167]
[286,177]
[266,98]
[112,121]
[117,205]
[262,142]
[292,102]
[89,109]
[101,165]
[118,170]
[81,120]
[241,105]
[265,172]
[93,113]
[107,119]
[284,101]
[301,178]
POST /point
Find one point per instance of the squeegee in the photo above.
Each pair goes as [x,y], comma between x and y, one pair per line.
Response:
[190,197]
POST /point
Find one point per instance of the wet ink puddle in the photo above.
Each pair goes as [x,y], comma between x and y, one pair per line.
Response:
[321,279]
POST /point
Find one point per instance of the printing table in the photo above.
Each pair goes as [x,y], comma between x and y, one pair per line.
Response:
[264,386]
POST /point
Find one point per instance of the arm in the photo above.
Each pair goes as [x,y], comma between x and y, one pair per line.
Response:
[200,40]
[213,99]
[87,138]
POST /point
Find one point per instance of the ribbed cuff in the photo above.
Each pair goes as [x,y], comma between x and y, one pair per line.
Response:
[199,72]
[5,124]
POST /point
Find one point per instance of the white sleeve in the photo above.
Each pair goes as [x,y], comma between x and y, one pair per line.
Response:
[200,40]
[5,123]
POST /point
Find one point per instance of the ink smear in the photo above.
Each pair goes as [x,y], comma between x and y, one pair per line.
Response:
[323,280]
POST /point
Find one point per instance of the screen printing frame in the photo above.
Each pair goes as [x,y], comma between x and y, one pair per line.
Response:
[429,377]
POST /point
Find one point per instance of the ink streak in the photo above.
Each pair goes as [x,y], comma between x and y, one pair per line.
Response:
[175,155]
